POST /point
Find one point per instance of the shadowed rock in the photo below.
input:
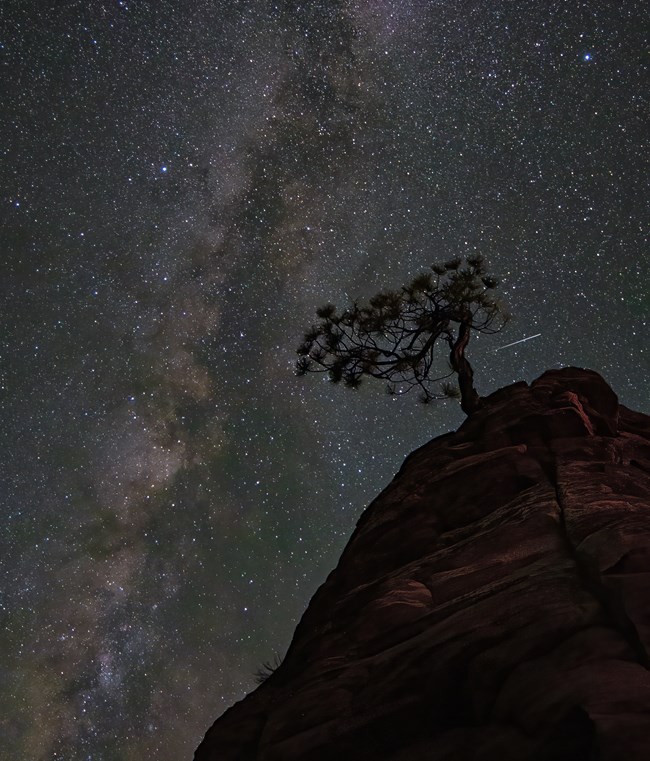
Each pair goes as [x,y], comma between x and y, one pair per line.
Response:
[493,603]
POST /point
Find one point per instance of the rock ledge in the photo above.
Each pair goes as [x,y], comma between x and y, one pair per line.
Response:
[491,605]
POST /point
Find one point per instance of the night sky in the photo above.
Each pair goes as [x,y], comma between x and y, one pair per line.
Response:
[182,184]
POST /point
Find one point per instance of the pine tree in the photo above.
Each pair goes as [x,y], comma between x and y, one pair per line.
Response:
[396,337]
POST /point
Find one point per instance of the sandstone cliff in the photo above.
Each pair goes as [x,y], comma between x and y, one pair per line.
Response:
[493,603]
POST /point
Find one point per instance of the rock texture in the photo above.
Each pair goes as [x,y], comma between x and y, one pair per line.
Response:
[493,603]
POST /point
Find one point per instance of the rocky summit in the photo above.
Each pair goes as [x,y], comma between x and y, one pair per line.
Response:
[492,604]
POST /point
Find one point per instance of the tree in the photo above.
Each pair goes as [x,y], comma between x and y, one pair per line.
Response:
[395,337]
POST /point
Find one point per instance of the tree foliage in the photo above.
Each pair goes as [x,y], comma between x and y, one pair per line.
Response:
[396,336]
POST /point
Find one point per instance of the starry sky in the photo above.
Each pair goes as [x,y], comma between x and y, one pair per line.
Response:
[182,184]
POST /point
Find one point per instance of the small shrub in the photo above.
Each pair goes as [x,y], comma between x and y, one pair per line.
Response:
[266,669]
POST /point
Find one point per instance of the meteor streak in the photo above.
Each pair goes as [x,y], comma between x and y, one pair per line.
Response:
[521,340]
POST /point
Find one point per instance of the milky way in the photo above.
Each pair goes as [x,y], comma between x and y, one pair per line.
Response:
[183,183]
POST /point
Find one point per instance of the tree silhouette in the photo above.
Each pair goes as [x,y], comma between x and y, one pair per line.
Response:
[395,337]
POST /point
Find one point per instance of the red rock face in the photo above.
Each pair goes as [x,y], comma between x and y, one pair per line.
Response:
[493,603]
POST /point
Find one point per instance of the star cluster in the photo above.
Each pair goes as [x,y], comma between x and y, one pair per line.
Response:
[182,185]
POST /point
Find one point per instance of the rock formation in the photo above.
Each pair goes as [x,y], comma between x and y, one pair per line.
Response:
[493,603]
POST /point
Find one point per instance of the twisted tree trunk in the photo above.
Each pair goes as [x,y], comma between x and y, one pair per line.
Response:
[470,401]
